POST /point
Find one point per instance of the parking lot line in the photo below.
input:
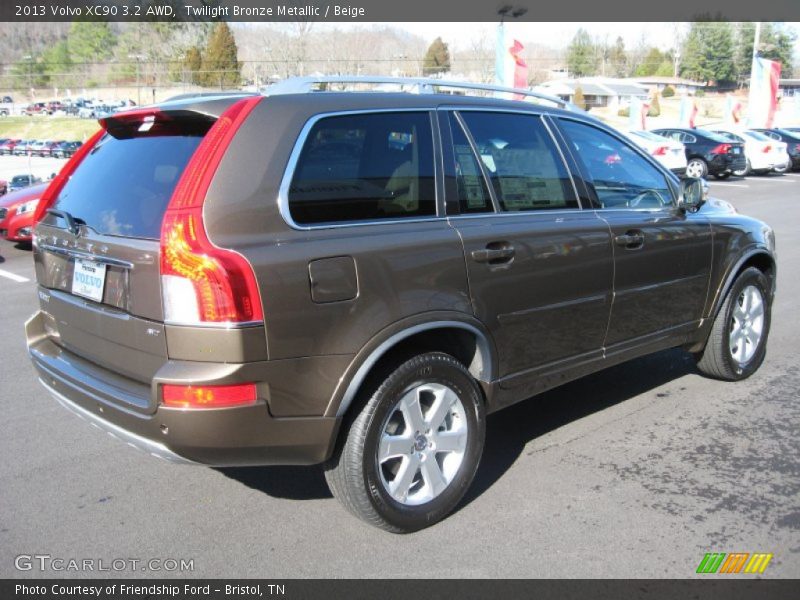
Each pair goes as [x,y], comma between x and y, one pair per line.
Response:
[730,184]
[776,180]
[13,276]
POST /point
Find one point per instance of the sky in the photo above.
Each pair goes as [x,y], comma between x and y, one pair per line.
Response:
[457,35]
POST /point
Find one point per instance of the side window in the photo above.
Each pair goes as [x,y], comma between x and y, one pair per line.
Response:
[473,195]
[523,163]
[365,167]
[687,138]
[621,177]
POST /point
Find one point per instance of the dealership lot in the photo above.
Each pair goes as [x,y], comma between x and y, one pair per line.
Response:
[634,472]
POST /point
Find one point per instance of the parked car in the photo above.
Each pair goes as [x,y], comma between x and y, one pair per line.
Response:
[8,100]
[763,154]
[36,108]
[38,147]
[54,107]
[790,138]
[7,147]
[16,213]
[3,187]
[371,316]
[48,147]
[19,182]
[670,153]
[23,147]
[65,149]
[707,153]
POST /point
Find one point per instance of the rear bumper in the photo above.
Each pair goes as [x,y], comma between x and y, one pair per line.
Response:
[240,436]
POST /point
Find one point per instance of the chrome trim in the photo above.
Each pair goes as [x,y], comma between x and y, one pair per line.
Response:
[73,253]
[220,325]
[132,439]
[481,367]
[288,173]
[421,85]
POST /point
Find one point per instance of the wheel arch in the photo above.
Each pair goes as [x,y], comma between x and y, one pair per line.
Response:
[758,257]
[467,340]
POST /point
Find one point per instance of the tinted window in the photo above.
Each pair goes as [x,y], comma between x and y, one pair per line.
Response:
[365,167]
[123,186]
[523,163]
[622,178]
[473,195]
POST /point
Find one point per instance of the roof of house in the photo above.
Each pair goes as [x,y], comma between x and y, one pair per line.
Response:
[666,80]
[595,86]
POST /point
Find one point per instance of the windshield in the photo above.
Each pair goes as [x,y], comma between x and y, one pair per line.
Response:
[756,136]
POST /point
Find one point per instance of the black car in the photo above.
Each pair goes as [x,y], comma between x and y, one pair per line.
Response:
[792,139]
[19,182]
[707,153]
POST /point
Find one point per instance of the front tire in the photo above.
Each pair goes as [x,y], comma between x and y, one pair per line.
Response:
[409,456]
[737,343]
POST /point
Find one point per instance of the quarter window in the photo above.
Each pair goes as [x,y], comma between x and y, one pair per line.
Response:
[521,160]
[365,167]
[621,177]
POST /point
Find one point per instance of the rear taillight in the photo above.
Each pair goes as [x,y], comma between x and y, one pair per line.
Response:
[59,181]
[721,149]
[208,396]
[766,149]
[200,282]
[660,151]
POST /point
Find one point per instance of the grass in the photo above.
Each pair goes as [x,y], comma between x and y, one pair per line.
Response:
[47,128]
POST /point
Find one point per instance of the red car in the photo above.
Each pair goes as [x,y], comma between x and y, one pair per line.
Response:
[16,213]
[8,146]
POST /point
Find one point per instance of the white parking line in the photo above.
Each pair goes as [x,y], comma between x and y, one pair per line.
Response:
[776,180]
[730,184]
[13,276]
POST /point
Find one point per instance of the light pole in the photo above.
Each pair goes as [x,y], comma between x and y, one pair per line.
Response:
[138,58]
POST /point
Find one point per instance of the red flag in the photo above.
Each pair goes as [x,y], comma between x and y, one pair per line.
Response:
[520,67]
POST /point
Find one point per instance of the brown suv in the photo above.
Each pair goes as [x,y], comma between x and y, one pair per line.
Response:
[357,279]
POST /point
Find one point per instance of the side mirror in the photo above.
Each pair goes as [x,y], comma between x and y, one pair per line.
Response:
[694,192]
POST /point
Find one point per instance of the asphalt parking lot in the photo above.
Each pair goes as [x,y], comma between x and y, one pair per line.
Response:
[634,472]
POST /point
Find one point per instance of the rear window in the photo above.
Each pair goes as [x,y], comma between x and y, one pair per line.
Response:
[124,184]
[365,167]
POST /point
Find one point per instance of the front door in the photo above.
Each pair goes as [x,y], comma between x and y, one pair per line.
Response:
[662,255]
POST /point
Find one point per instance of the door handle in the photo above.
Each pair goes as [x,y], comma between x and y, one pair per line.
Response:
[495,253]
[631,240]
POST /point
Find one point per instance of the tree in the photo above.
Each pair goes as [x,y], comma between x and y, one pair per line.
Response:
[578,99]
[775,43]
[437,58]
[581,55]
[655,63]
[91,41]
[708,52]
[221,63]
[618,59]
[192,63]
[57,63]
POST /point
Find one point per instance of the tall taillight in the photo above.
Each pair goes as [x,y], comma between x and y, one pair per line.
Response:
[660,151]
[721,149]
[59,181]
[201,283]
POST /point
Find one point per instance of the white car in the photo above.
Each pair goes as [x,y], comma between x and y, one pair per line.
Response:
[763,154]
[670,153]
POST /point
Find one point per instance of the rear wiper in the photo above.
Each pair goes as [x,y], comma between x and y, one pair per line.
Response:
[73,224]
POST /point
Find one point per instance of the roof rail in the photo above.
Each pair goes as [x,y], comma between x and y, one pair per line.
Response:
[418,85]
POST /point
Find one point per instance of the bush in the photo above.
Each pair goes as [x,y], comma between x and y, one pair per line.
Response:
[625,111]
[578,99]
[668,92]
[700,93]
[655,106]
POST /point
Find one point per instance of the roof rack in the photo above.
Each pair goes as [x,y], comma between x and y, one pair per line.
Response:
[418,85]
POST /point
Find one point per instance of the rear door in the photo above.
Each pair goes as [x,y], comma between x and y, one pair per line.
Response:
[540,268]
[97,250]
[662,255]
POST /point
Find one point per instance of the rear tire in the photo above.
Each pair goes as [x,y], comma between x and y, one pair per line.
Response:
[737,344]
[391,468]
[697,168]
[744,172]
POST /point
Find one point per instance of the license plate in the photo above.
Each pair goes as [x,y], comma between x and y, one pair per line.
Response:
[737,150]
[89,279]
